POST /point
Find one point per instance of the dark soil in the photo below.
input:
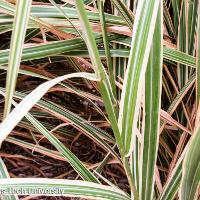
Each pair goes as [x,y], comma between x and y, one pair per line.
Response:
[37,165]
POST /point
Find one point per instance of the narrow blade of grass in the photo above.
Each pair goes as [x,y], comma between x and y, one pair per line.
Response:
[191,169]
[45,12]
[69,48]
[125,13]
[168,20]
[191,165]
[141,43]
[182,44]
[106,46]
[171,187]
[152,111]
[18,35]
[192,22]
[50,49]
[104,84]
[176,13]
[70,157]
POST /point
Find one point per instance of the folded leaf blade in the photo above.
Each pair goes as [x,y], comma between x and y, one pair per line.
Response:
[152,112]
[141,43]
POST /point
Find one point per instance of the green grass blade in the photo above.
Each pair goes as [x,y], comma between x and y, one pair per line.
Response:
[181,94]
[168,20]
[191,169]
[176,13]
[96,134]
[48,12]
[3,170]
[173,183]
[67,188]
[178,99]
[61,11]
[104,84]
[70,157]
[152,107]
[179,57]
[4,174]
[50,49]
[140,48]
[182,44]
[69,48]
[125,12]
[89,40]
[168,55]
[17,40]
[135,163]
[104,162]
[38,149]
[192,23]
[106,46]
